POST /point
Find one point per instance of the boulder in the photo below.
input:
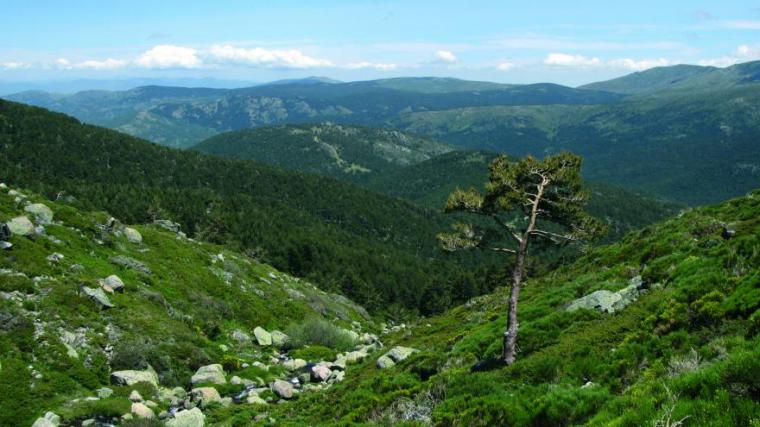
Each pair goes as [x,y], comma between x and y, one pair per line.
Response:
[55,257]
[240,336]
[41,213]
[254,399]
[188,418]
[206,395]
[104,392]
[133,235]
[97,295]
[167,225]
[112,283]
[131,377]
[50,419]
[130,263]
[282,389]
[209,374]
[320,373]
[279,339]
[135,396]
[21,226]
[385,362]
[608,301]
[400,353]
[139,410]
[354,357]
[262,336]
[294,364]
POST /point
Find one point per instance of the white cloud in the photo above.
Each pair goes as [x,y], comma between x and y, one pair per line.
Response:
[742,53]
[565,60]
[373,65]
[639,65]
[13,65]
[445,56]
[169,56]
[108,64]
[505,66]
[63,63]
[275,58]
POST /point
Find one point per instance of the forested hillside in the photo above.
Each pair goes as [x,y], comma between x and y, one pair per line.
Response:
[376,249]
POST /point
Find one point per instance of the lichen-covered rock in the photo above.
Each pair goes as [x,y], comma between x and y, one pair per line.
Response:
[209,374]
[140,410]
[206,396]
[50,419]
[263,337]
[283,389]
[320,373]
[21,226]
[384,362]
[608,301]
[294,364]
[41,213]
[240,336]
[400,353]
[132,235]
[97,295]
[112,283]
[254,399]
[279,339]
[131,377]
[187,418]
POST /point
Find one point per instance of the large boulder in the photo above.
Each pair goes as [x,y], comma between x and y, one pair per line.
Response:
[282,389]
[112,283]
[131,377]
[21,226]
[49,420]
[97,295]
[609,302]
[206,396]
[188,418]
[262,336]
[132,235]
[209,374]
[41,213]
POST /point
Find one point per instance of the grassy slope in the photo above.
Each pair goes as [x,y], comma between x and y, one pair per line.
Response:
[175,319]
[695,334]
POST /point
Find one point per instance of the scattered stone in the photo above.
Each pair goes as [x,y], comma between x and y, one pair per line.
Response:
[209,374]
[112,283]
[55,257]
[236,380]
[97,295]
[282,389]
[135,396]
[104,392]
[133,235]
[254,399]
[21,226]
[206,395]
[354,357]
[130,263]
[279,339]
[400,353]
[240,336]
[385,362]
[141,411]
[130,377]
[263,337]
[50,419]
[294,364]
[42,213]
[188,418]
[320,373]
[91,421]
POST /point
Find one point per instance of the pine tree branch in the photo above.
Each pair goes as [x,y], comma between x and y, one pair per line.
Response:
[507,250]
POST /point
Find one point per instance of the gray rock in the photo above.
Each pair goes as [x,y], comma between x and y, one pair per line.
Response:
[240,336]
[55,257]
[385,362]
[97,295]
[104,392]
[50,419]
[206,396]
[320,373]
[209,374]
[21,226]
[167,225]
[400,353]
[294,364]
[140,410]
[5,246]
[609,302]
[279,339]
[112,283]
[254,399]
[135,396]
[282,389]
[133,235]
[130,263]
[188,418]
[42,213]
[354,357]
[131,377]
[263,337]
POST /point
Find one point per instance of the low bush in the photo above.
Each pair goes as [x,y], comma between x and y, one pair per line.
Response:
[320,332]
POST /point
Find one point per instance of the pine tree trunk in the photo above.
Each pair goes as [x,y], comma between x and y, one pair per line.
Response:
[509,349]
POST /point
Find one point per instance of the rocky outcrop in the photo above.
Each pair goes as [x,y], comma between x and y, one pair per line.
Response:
[263,337]
[609,302]
[209,374]
[131,377]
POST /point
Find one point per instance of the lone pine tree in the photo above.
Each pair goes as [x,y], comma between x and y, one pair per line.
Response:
[528,198]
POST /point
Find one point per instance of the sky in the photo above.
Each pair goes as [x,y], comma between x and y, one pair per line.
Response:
[563,42]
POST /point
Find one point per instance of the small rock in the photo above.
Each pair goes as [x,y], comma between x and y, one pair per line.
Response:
[135,396]
[112,283]
[130,263]
[42,213]
[104,392]
[400,353]
[294,364]
[279,339]
[5,246]
[254,399]
[21,226]
[133,235]
[130,377]
[283,389]
[209,374]
[354,357]
[240,336]
[206,395]
[141,411]
[263,337]
[385,362]
[320,373]
[55,257]
[3,186]
[188,418]
[236,380]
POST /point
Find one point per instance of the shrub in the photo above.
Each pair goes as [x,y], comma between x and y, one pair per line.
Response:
[313,352]
[317,331]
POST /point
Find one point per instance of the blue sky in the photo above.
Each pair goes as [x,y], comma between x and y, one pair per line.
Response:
[508,41]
